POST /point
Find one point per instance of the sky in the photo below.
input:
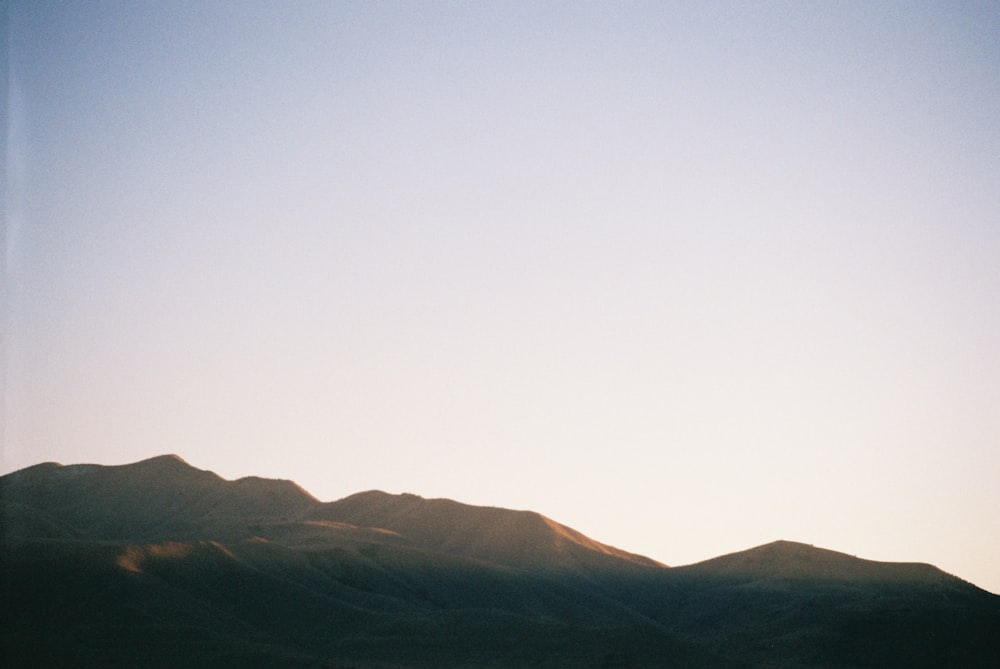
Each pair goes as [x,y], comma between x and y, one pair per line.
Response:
[687,277]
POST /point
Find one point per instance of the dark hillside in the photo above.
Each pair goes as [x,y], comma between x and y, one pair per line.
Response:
[162,564]
[790,604]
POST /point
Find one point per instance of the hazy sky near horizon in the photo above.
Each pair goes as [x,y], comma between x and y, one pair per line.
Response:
[688,277]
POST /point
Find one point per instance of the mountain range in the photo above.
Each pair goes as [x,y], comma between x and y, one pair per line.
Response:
[158,564]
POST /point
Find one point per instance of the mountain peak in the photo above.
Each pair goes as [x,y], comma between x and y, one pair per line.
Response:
[795,560]
[170,457]
[167,460]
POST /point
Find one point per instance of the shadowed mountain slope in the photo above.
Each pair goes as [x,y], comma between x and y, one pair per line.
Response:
[161,564]
[792,604]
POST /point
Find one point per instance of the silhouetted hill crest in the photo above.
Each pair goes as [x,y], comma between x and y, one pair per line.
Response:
[793,560]
[165,498]
[158,498]
[127,557]
[504,536]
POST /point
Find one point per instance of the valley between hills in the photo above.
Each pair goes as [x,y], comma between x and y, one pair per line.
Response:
[161,564]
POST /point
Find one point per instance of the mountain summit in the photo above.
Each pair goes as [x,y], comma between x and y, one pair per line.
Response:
[791,560]
[159,563]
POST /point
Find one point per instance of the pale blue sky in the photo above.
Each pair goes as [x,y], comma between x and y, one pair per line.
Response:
[689,278]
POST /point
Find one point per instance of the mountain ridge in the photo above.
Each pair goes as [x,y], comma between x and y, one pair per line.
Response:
[487,532]
[101,564]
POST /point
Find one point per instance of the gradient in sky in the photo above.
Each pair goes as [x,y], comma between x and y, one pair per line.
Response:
[688,277]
